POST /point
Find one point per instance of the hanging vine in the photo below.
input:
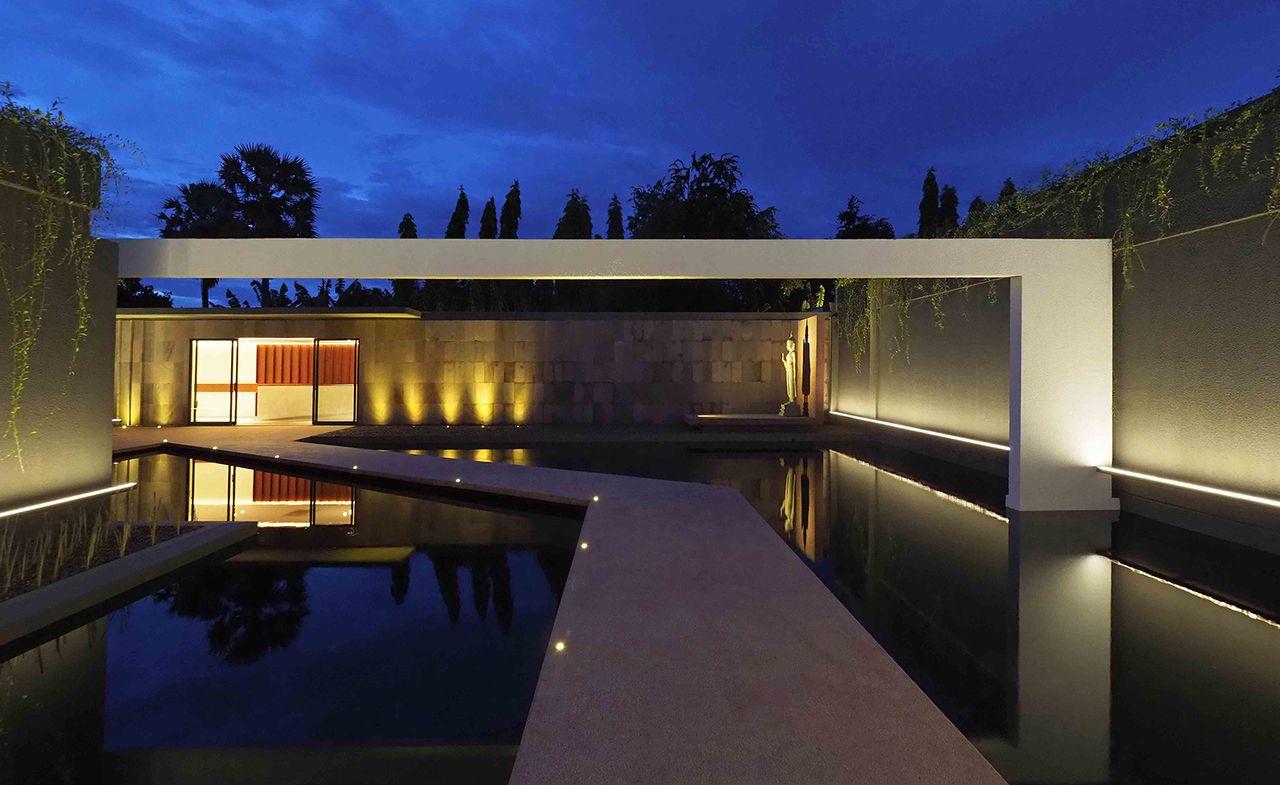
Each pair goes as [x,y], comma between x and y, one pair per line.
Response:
[1130,197]
[54,174]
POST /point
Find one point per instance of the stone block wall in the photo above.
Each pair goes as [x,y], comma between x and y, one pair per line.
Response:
[544,368]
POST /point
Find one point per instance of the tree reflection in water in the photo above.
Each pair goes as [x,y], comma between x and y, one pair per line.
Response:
[490,582]
[252,610]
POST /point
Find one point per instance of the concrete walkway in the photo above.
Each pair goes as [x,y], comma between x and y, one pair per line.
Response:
[698,647]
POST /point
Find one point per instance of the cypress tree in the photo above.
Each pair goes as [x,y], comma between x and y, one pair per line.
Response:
[929,209]
[948,210]
[489,221]
[613,229]
[457,228]
[405,291]
[1007,191]
[977,207]
[509,221]
[575,222]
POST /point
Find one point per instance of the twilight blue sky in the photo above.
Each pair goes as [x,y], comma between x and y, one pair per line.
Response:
[396,104]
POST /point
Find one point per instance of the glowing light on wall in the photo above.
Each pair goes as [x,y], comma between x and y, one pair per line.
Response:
[67,499]
[451,403]
[1193,592]
[925,431]
[1191,486]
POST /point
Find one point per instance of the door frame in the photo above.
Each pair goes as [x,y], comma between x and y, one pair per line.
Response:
[315,382]
[234,388]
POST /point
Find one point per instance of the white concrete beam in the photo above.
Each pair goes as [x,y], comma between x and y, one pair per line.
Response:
[1060,325]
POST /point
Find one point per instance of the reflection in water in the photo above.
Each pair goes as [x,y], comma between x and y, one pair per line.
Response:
[250,610]
[295,644]
[1059,665]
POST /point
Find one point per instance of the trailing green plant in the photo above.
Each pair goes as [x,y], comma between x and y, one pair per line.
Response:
[1129,197]
[60,170]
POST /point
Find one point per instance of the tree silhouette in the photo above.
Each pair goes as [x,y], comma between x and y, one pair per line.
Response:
[853,224]
[204,210]
[488,221]
[977,207]
[703,199]
[614,221]
[133,293]
[457,228]
[275,194]
[509,221]
[400,582]
[251,610]
[404,291]
[445,565]
[948,210]
[929,210]
[1007,191]
[575,222]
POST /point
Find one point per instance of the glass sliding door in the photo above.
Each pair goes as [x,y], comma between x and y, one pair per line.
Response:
[337,368]
[213,381]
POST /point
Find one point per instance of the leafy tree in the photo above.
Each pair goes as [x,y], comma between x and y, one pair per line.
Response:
[271,298]
[489,221]
[1007,191]
[614,221]
[929,209]
[575,222]
[853,224]
[357,295]
[133,293]
[202,210]
[408,229]
[701,200]
[275,194]
[323,298]
[457,228]
[977,207]
[509,221]
[948,210]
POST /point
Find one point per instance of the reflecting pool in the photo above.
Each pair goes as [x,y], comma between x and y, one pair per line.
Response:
[366,636]
[1068,650]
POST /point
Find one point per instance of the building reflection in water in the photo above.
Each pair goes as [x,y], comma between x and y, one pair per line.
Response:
[256,602]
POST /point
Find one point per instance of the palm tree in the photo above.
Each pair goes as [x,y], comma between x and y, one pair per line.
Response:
[276,193]
[204,210]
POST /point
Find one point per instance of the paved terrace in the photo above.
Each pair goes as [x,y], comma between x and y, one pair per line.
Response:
[699,648]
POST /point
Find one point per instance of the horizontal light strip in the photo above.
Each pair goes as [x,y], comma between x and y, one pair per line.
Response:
[1191,486]
[67,499]
[925,431]
[1193,592]
[956,500]
[283,525]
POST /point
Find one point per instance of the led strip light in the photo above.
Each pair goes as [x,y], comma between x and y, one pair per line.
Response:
[1193,592]
[66,499]
[1191,486]
[925,431]
[956,500]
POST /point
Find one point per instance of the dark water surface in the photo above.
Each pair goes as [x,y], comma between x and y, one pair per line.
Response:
[398,642]
[1060,664]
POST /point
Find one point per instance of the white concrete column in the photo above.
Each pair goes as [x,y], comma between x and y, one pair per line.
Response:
[1060,388]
